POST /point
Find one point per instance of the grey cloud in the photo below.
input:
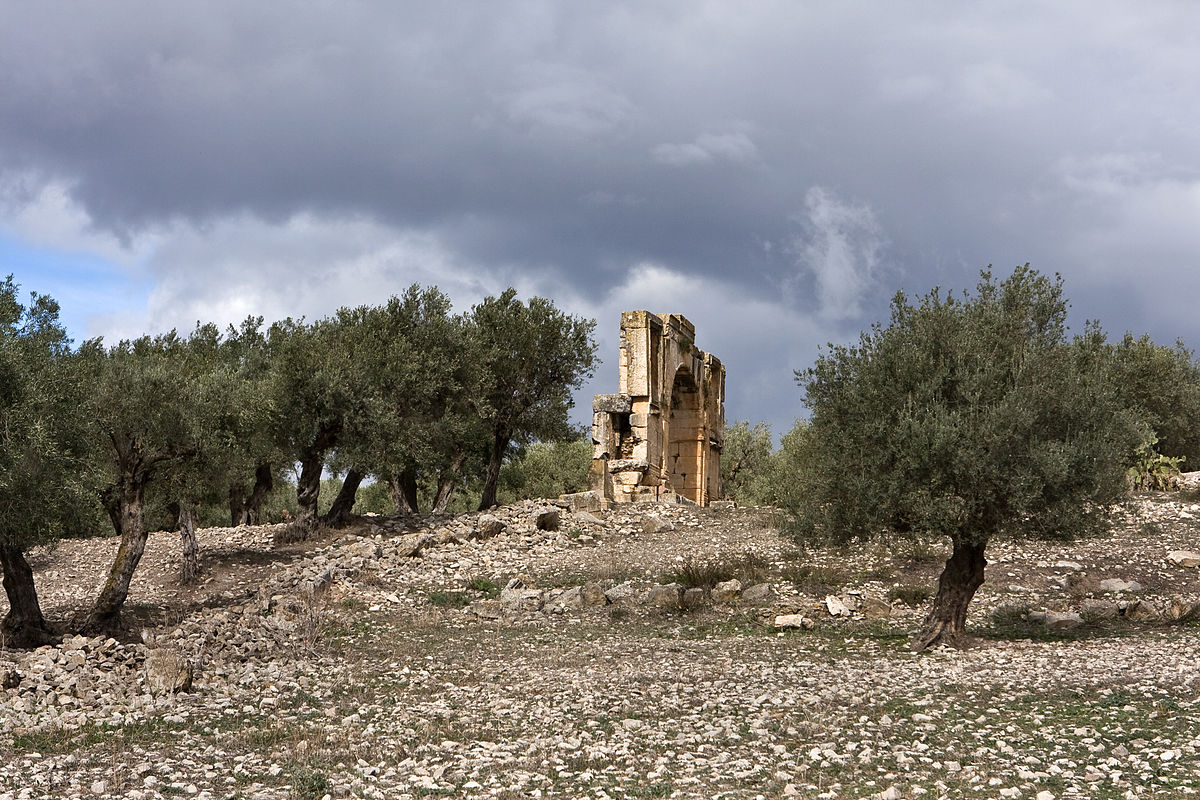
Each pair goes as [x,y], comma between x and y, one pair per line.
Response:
[565,144]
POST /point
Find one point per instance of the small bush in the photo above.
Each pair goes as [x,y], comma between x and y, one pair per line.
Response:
[484,585]
[707,573]
[815,578]
[448,599]
[909,594]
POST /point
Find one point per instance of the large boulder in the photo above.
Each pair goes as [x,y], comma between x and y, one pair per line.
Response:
[726,591]
[167,671]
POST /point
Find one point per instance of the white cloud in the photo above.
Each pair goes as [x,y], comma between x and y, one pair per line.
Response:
[839,248]
[565,99]
[706,148]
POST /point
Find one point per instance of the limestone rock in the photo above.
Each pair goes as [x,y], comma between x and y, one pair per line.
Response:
[758,593]
[1073,566]
[572,597]
[726,591]
[487,527]
[836,607]
[1184,558]
[1118,585]
[668,595]
[798,621]
[1098,610]
[167,671]
[655,524]
[592,595]
[621,595]
[876,608]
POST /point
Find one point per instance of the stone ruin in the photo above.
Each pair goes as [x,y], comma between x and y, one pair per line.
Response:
[660,437]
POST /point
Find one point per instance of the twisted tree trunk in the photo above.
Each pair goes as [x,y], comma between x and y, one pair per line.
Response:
[960,579]
[343,504]
[492,476]
[264,482]
[404,492]
[237,505]
[124,505]
[190,567]
[24,626]
[446,483]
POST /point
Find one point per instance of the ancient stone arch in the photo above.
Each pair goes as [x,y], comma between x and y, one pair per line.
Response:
[660,436]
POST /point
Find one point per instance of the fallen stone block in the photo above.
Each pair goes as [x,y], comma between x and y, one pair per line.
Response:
[668,595]
[1184,558]
[795,621]
[1118,585]
[758,593]
[487,527]
[836,607]
[167,672]
[726,591]
[655,524]
[621,595]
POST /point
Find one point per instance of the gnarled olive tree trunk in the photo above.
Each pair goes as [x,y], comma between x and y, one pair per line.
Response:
[264,482]
[960,579]
[124,503]
[189,569]
[343,504]
[404,491]
[24,626]
[308,488]
[446,483]
[491,477]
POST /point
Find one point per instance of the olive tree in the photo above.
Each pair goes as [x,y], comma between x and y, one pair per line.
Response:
[966,418]
[148,407]
[530,357]
[45,491]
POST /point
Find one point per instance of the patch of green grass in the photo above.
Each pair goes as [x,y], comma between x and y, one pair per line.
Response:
[448,599]
[309,782]
[485,586]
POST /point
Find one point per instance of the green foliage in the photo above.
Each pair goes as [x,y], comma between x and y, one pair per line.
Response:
[965,418]
[1162,384]
[746,463]
[531,357]
[1152,471]
[546,469]
[46,489]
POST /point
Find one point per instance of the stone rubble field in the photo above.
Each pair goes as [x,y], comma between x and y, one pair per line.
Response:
[649,651]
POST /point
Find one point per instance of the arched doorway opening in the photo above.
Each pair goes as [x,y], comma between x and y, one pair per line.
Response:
[685,434]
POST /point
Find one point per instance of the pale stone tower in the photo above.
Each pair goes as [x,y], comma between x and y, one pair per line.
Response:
[660,437]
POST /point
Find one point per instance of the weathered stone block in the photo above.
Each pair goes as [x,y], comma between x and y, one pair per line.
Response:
[612,404]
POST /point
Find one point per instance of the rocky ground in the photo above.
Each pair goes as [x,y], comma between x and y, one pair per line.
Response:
[633,653]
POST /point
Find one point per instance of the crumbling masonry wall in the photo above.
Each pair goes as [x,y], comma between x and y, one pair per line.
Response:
[660,436]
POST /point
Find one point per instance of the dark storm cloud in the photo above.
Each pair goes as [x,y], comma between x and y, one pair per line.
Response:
[813,157]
